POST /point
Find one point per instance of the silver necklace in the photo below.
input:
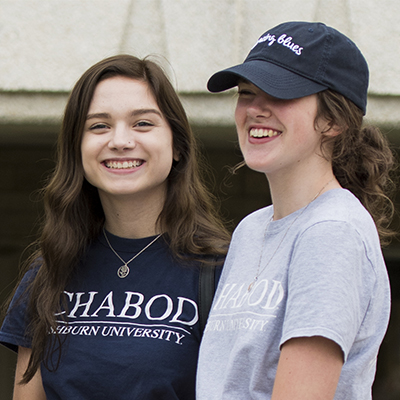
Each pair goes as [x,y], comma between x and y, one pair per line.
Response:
[259,272]
[123,270]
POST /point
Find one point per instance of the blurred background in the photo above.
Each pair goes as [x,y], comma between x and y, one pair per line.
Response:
[45,45]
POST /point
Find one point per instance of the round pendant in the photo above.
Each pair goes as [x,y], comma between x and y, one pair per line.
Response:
[123,271]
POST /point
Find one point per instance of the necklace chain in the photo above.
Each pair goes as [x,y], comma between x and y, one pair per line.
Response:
[259,272]
[123,270]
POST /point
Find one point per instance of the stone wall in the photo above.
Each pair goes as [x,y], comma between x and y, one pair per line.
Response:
[45,45]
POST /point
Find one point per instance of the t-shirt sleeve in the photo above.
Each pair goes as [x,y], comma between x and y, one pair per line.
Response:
[13,332]
[330,282]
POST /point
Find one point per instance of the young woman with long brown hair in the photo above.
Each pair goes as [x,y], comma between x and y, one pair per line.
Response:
[109,305]
[304,300]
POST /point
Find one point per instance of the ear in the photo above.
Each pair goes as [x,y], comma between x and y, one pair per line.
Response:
[328,129]
[333,131]
[176,156]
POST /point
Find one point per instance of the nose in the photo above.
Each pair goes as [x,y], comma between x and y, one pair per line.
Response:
[122,138]
[259,106]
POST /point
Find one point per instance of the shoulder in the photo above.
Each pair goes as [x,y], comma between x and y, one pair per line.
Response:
[338,220]
[255,221]
[341,206]
[27,279]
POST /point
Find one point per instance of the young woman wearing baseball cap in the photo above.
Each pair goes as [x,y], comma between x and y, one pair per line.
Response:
[304,299]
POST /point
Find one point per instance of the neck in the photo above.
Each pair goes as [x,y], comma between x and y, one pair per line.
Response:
[295,193]
[131,219]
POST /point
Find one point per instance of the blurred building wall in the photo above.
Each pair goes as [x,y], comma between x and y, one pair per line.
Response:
[45,45]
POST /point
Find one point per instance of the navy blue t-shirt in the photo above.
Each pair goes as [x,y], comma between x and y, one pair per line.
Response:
[131,338]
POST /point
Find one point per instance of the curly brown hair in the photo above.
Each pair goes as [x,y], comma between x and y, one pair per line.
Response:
[362,159]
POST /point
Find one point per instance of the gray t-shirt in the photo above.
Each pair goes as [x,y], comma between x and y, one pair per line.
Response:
[327,277]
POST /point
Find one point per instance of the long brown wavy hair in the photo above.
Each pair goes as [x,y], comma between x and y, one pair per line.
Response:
[362,159]
[73,215]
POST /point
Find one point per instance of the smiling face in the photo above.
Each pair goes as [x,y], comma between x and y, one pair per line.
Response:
[127,145]
[276,136]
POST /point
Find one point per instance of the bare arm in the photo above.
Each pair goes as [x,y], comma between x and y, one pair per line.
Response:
[33,390]
[308,369]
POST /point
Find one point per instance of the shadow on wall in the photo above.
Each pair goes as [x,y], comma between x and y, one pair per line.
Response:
[25,170]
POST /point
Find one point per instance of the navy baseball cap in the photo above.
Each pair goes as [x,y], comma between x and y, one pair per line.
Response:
[296,59]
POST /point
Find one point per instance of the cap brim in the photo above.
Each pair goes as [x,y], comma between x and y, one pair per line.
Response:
[270,78]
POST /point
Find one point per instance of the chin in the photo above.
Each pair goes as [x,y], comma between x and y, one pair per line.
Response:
[256,166]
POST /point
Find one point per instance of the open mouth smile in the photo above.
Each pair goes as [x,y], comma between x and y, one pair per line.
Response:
[123,164]
[262,133]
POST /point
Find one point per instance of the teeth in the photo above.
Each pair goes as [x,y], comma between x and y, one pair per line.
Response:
[122,164]
[258,133]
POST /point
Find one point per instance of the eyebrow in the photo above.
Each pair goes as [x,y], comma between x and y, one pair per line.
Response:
[242,80]
[134,113]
